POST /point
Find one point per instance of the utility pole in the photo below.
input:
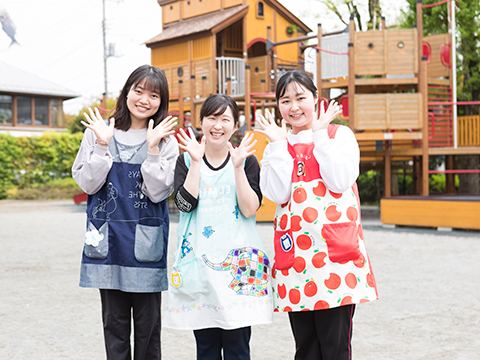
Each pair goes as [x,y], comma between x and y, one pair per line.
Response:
[105,55]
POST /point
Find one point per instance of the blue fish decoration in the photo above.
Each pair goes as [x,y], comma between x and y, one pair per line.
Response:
[208,231]
[8,25]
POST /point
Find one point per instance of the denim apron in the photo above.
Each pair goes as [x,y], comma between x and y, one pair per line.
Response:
[127,234]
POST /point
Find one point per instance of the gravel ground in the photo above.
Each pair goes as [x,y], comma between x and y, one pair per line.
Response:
[428,284]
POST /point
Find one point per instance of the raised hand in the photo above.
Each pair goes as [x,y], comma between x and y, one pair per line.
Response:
[239,154]
[102,131]
[326,117]
[154,135]
[191,145]
[270,129]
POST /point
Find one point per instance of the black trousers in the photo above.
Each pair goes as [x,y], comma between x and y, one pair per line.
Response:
[235,343]
[117,314]
[323,334]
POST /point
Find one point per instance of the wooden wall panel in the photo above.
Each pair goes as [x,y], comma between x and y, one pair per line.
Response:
[401,60]
[171,54]
[259,63]
[171,72]
[288,52]
[171,12]
[370,111]
[202,48]
[435,68]
[193,8]
[388,111]
[257,28]
[379,53]
[202,68]
[230,3]
[405,111]
[369,60]
[234,39]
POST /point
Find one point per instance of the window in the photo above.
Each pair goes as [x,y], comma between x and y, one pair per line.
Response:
[41,111]
[5,110]
[56,111]
[260,10]
[24,110]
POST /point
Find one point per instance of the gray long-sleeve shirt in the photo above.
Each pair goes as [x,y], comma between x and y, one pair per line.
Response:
[93,163]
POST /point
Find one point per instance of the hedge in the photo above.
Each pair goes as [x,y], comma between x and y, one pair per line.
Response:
[27,162]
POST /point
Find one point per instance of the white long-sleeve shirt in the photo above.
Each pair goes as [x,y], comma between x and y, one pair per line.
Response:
[338,158]
[94,162]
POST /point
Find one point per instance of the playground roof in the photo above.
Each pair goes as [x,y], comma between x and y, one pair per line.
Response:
[198,24]
[14,80]
[217,21]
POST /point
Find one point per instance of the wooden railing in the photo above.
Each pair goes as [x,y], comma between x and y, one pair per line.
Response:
[468,130]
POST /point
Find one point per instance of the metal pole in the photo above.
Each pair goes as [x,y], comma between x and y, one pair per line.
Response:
[454,75]
[104,51]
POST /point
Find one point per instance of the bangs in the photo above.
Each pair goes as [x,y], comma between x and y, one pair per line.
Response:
[220,110]
[152,83]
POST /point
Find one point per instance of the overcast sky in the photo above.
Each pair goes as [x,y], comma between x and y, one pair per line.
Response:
[61,40]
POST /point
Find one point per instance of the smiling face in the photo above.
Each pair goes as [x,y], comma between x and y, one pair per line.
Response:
[218,128]
[297,106]
[143,104]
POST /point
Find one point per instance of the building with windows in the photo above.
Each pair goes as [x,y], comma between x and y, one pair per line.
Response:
[30,105]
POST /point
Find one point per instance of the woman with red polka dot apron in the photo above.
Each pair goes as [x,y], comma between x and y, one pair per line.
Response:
[321,268]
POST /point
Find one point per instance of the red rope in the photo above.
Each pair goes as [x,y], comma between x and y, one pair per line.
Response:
[439,3]
[451,103]
[454,171]
[331,52]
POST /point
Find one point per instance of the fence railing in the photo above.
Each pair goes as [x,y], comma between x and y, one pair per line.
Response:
[233,68]
[468,130]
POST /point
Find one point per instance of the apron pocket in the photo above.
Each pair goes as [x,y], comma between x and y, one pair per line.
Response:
[342,241]
[186,280]
[284,249]
[148,243]
[96,241]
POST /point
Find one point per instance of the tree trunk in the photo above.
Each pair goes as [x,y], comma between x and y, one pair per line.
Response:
[374,10]
[469,183]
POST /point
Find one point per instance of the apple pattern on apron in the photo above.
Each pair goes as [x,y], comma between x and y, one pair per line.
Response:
[320,257]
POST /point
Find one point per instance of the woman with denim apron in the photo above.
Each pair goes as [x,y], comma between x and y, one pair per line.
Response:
[126,166]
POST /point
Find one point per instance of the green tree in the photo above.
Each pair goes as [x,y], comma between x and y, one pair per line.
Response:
[374,11]
[467,24]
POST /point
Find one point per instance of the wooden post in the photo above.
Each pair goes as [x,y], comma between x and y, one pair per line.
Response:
[204,86]
[192,104]
[247,108]
[424,91]
[319,62]
[104,101]
[450,178]
[419,37]
[269,61]
[213,65]
[180,103]
[351,74]
[388,170]
[229,86]
[384,27]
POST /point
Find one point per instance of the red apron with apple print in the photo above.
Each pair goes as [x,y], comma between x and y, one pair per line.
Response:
[320,257]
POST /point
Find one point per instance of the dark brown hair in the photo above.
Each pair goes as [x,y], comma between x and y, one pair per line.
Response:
[155,81]
[217,104]
[294,76]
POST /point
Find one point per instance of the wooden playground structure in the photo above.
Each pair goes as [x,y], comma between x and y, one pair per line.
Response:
[398,91]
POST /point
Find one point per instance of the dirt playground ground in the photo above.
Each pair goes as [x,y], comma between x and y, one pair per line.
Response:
[428,281]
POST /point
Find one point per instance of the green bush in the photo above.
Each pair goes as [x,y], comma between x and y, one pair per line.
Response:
[29,162]
[58,189]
